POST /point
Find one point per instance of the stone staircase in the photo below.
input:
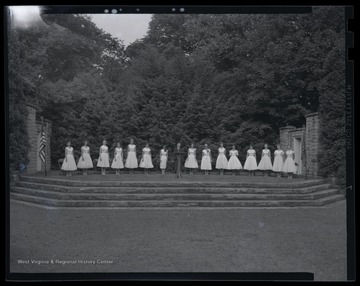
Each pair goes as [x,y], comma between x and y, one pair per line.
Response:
[56,192]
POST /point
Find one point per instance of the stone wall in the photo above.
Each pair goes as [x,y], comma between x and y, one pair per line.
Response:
[311,130]
[298,132]
[34,130]
[285,136]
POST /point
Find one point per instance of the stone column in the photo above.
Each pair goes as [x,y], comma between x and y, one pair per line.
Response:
[32,133]
[34,129]
[48,130]
[312,143]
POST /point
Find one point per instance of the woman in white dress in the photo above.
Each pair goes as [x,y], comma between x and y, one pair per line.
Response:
[69,163]
[131,160]
[191,162]
[206,160]
[146,161]
[250,163]
[265,162]
[221,161]
[117,162]
[289,164]
[85,161]
[278,161]
[103,161]
[234,163]
[163,159]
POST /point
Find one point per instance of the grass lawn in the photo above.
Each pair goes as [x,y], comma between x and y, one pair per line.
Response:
[181,240]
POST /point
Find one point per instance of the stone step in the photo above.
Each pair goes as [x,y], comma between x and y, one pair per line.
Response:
[175,203]
[171,190]
[274,183]
[173,196]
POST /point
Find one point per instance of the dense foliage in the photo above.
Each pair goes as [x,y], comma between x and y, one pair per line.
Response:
[332,106]
[19,87]
[193,78]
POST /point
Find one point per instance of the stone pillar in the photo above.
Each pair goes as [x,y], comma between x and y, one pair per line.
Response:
[48,130]
[32,132]
[312,143]
[285,136]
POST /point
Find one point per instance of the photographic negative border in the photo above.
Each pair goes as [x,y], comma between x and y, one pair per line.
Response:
[349,138]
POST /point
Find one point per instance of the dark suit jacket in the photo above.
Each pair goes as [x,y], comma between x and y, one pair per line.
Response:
[179,156]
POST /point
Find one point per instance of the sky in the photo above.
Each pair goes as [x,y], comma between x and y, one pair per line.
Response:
[126,27]
[24,16]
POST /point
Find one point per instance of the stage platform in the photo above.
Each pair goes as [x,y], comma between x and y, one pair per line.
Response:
[157,190]
[198,176]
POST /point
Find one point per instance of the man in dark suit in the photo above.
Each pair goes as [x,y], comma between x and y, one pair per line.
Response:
[179,153]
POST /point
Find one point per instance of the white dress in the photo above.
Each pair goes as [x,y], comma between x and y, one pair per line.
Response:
[265,162]
[117,162]
[146,159]
[191,161]
[234,162]
[103,161]
[221,161]
[206,160]
[289,165]
[131,160]
[85,161]
[278,161]
[69,163]
[163,158]
[250,163]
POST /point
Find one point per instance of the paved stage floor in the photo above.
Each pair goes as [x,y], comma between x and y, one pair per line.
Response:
[156,176]
[180,240]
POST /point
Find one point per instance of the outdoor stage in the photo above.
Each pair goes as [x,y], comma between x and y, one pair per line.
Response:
[156,223]
[157,190]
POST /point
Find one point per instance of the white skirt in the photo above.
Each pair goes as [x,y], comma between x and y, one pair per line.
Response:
[131,161]
[289,166]
[163,161]
[278,164]
[86,163]
[250,163]
[221,162]
[234,163]
[117,162]
[69,163]
[265,163]
[146,162]
[206,163]
[104,162]
[191,162]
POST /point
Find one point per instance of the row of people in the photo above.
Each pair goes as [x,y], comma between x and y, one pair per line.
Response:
[280,164]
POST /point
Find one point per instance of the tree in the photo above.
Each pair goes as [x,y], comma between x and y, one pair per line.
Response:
[18,89]
[332,101]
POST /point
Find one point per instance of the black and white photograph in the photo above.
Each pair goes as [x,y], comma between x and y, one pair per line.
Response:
[179,141]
